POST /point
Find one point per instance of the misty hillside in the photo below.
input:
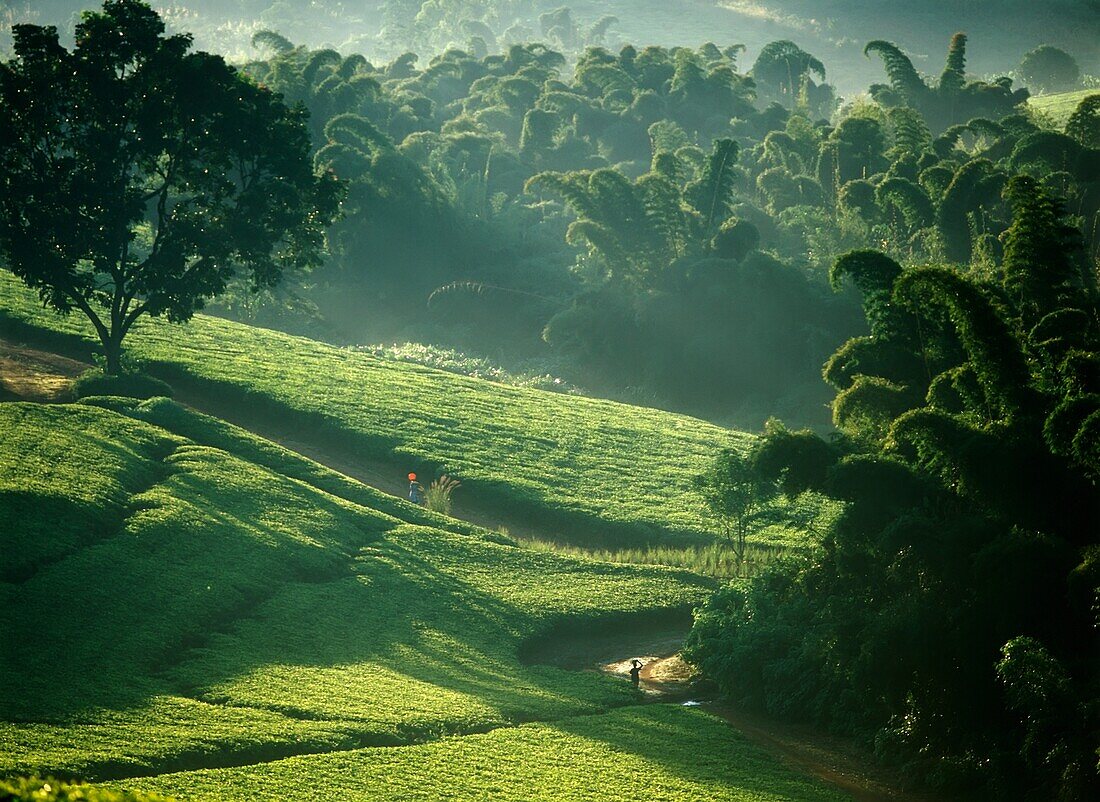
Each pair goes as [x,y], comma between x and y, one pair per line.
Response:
[527,400]
[834,29]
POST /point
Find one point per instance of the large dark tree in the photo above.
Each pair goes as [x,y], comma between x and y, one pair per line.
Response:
[137,177]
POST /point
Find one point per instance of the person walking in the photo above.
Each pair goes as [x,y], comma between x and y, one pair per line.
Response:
[416,490]
[636,671]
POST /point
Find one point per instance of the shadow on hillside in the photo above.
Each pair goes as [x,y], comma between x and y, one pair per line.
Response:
[374,458]
[401,611]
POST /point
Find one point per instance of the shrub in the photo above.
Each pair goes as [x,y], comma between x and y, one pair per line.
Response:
[131,385]
[1049,69]
[437,497]
[50,790]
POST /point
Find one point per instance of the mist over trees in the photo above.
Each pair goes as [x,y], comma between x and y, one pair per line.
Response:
[704,226]
[138,178]
[950,615]
[649,222]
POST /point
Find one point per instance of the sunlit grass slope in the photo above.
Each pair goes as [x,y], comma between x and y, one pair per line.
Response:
[658,753]
[50,790]
[1059,107]
[600,472]
[221,612]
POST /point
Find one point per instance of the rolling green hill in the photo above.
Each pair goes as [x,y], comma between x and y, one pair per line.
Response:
[657,752]
[233,604]
[1059,107]
[594,472]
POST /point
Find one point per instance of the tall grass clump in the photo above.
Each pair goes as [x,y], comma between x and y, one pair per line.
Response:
[437,497]
[716,560]
[128,384]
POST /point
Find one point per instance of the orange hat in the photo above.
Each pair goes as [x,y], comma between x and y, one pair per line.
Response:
[412,477]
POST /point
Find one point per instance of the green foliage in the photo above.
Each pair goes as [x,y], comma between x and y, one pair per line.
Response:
[1040,270]
[556,456]
[711,195]
[994,352]
[437,497]
[130,384]
[254,613]
[1040,691]
[1049,69]
[34,789]
[654,150]
[949,613]
[198,198]
[685,753]
[737,496]
[1084,124]
[944,104]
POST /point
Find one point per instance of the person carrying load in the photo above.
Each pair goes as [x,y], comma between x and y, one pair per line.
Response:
[416,490]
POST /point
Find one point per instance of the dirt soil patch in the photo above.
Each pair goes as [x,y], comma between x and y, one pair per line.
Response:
[27,374]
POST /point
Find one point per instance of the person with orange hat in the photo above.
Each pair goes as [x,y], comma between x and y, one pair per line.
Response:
[416,490]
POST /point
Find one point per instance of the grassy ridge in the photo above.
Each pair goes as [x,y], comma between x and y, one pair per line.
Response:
[600,472]
[235,614]
[47,790]
[652,753]
[1060,107]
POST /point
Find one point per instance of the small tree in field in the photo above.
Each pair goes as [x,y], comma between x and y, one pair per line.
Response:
[737,495]
[137,177]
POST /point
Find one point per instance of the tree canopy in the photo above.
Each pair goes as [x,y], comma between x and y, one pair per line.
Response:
[137,177]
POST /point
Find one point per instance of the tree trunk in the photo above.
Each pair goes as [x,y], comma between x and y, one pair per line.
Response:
[112,352]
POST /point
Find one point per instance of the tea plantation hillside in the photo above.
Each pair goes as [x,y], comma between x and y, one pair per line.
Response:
[1060,106]
[656,752]
[231,604]
[593,471]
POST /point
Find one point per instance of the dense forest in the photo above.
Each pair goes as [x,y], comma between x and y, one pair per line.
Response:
[582,199]
[905,276]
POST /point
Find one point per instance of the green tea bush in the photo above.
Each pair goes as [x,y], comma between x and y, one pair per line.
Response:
[132,385]
[653,752]
[253,613]
[595,472]
[34,789]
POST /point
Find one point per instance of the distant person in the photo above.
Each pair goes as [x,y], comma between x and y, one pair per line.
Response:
[416,490]
[636,671]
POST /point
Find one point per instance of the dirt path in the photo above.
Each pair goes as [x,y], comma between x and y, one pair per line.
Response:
[666,678]
[28,374]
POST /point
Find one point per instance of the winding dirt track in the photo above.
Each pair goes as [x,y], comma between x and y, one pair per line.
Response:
[28,374]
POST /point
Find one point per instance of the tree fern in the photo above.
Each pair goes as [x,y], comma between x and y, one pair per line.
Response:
[904,202]
[959,200]
[662,200]
[1038,270]
[271,40]
[903,77]
[572,187]
[318,60]
[712,193]
[874,274]
[993,351]
[953,78]
[356,132]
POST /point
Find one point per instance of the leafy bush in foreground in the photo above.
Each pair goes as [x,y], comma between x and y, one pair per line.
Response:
[34,789]
[131,385]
